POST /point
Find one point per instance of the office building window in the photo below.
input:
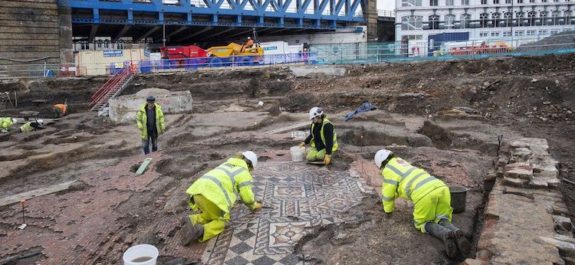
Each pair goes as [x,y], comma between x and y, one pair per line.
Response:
[496,19]
[508,17]
[531,18]
[407,3]
[494,34]
[532,1]
[519,17]
[507,34]
[508,1]
[555,17]
[464,2]
[434,22]
[411,22]
[484,2]
[433,2]
[542,32]
[520,1]
[483,19]
[543,1]
[465,20]
[483,34]
[543,16]
[530,33]
[495,2]
[449,21]
[519,33]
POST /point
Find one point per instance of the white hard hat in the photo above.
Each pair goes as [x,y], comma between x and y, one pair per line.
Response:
[314,112]
[251,156]
[381,156]
[41,122]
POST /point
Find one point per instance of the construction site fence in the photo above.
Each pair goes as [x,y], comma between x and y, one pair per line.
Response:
[428,50]
[152,66]
[351,53]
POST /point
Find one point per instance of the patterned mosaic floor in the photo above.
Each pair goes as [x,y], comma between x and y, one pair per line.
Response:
[296,197]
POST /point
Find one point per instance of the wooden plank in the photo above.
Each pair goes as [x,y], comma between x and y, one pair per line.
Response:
[143,166]
[35,193]
[289,128]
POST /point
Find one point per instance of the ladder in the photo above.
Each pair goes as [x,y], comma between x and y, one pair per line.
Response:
[113,87]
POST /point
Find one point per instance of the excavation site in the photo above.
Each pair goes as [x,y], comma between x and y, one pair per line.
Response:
[497,134]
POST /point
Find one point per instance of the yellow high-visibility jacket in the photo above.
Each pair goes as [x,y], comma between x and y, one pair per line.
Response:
[6,123]
[142,118]
[401,179]
[27,127]
[325,121]
[221,184]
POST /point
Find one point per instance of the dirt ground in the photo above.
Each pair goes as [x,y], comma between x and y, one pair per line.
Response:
[443,116]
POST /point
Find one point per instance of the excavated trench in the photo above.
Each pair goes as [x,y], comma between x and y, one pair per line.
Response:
[372,239]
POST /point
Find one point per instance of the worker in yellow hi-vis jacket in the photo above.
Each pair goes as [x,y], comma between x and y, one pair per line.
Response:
[214,195]
[432,211]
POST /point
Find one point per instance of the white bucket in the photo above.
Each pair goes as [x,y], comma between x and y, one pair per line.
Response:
[297,153]
[141,255]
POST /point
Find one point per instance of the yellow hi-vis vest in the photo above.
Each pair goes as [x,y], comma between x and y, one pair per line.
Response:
[401,179]
[325,121]
[142,120]
[221,184]
[6,123]
[27,127]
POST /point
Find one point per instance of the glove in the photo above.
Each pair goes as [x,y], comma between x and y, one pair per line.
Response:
[327,159]
[302,144]
[256,206]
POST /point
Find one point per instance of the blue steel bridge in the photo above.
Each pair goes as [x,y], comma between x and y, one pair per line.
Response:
[188,21]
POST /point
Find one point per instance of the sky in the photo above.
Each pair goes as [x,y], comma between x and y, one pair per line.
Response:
[386,4]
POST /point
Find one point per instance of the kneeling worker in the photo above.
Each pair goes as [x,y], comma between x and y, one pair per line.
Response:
[322,137]
[214,195]
[60,110]
[431,197]
[6,124]
[30,126]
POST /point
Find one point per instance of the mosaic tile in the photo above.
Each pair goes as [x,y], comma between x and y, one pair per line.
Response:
[297,198]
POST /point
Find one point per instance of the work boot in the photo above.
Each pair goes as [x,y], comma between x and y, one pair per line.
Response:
[190,232]
[460,237]
[442,233]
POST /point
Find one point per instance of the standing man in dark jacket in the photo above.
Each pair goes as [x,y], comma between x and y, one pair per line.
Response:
[150,120]
[322,137]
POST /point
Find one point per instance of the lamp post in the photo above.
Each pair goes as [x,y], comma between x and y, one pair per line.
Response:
[512,12]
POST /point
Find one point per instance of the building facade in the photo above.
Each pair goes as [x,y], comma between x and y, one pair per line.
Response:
[477,20]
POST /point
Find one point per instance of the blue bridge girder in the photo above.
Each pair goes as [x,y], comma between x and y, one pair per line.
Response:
[307,14]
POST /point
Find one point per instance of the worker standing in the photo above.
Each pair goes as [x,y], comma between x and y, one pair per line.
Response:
[214,195]
[248,44]
[150,119]
[60,110]
[432,211]
[6,124]
[322,137]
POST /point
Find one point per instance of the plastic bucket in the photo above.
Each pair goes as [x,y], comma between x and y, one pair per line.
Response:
[458,198]
[297,153]
[141,255]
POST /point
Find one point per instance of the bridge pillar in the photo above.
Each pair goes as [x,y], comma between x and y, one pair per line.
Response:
[370,15]
[35,32]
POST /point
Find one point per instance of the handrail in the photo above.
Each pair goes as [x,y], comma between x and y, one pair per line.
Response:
[106,85]
[111,85]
